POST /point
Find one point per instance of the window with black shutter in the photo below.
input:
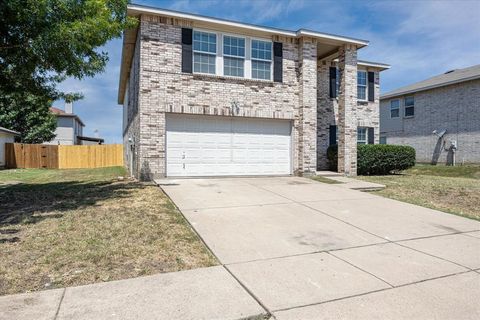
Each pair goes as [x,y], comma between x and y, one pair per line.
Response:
[333,135]
[371,86]
[333,82]
[187,50]
[277,62]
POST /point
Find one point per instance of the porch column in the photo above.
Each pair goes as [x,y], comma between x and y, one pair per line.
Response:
[307,115]
[347,102]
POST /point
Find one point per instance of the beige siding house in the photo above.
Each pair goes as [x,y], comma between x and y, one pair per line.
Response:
[439,117]
[6,136]
[209,97]
[69,129]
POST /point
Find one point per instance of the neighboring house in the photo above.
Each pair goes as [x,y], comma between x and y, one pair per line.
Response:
[6,136]
[439,117]
[70,128]
[87,141]
[209,97]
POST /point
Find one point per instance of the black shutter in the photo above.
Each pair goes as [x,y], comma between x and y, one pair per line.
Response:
[277,61]
[187,50]
[333,82]
[371,86]
[333,135]
[371,135]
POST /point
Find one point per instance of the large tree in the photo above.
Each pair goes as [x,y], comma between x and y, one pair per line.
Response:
[42,42]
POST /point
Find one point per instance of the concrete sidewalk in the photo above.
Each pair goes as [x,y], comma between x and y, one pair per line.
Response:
[207,293]
[350,183]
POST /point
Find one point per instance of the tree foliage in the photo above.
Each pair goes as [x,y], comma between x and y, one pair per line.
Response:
[42,42]
[28,114]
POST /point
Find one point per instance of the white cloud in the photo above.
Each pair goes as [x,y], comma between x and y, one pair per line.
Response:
[426,38]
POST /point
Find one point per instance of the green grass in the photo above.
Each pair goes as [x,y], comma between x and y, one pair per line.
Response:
[325,180]
[451,189]
[466,171]
[73,227]
[46,175]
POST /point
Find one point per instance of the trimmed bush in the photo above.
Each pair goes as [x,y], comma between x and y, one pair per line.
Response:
[377,158]
[332,157]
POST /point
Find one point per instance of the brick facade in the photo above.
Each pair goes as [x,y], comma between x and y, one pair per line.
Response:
[161,88]
[366,113]
[453,108]
[307,121]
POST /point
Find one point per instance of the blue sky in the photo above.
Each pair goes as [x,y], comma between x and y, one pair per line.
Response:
[419,39]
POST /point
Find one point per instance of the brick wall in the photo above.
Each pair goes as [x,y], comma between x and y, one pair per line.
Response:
[454,108]
[366,113]
[132,128]
[164,88]
[307,146]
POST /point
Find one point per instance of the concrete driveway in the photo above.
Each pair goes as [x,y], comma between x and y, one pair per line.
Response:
[307,250]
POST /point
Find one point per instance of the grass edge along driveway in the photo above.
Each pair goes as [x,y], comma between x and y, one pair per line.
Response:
[72,227]
[450,189]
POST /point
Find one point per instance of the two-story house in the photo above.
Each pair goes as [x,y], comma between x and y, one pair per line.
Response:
[210,97]
[438,117]
[69,129]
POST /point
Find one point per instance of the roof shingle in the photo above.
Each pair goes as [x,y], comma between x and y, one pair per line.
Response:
[447,78]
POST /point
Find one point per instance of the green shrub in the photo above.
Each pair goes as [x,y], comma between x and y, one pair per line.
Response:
[332,157]
[377,158]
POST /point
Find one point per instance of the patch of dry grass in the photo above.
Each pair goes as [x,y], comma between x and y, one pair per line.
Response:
[60,228]
[325,180]
[450,189]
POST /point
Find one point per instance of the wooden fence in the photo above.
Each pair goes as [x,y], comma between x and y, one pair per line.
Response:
[19,155]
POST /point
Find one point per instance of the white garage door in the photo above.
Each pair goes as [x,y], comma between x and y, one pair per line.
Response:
[224,146]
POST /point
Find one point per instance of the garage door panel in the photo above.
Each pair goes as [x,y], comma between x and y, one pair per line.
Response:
[216,146]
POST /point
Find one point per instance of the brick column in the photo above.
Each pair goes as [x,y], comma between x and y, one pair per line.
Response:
[307,120]
[347,102]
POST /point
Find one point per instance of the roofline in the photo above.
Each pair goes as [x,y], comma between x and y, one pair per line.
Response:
[71,115]
[9,131]
[136,9]
[382,66]
[91,138]
[401,93]
[299,33]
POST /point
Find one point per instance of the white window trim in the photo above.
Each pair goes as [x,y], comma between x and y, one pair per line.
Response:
[223,35]
[405,107]
[247,59]
[209,53]
[366,135]
[264,60]
[366,85]
[390,109]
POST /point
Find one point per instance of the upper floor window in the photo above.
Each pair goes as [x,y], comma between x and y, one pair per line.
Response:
[261,59]
[409,103]
[204,52]
[361,85]
[394,108]
[233,56]
[362,135]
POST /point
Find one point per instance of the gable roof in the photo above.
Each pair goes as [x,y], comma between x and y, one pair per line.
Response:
[2,129]
[61,113]
[200,21]
[57,110]
[136,9]
[445,79]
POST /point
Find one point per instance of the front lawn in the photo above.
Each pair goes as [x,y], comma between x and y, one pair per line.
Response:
[450,189]
[72,227]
